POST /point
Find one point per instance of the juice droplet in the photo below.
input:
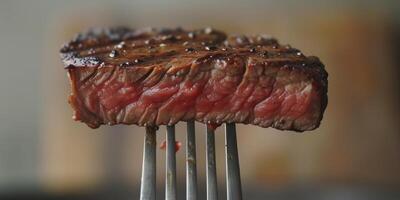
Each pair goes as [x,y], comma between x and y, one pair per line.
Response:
[120,45]
[210,48]
[208,30]
[212,125]
[113,53]
[191,35]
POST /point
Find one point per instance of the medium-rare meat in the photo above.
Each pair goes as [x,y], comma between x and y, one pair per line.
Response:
[152,77]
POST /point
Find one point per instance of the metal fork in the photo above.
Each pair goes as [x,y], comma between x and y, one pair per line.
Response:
[148,184]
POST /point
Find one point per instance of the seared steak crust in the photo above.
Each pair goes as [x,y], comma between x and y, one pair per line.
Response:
[161,76]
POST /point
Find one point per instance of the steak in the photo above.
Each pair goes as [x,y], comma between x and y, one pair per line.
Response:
[152,77]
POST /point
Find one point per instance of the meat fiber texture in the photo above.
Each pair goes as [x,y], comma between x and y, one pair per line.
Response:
[153,77]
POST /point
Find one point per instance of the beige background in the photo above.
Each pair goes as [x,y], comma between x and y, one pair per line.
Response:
[358,142]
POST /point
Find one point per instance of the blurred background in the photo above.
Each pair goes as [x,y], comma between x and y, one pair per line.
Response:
[355,154]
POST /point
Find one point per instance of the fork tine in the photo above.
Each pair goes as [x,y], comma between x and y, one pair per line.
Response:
[170,179]
[148,186]
[234,186]
[191,169]
[211,172]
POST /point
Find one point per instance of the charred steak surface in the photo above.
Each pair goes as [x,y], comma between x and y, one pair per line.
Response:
[152,77]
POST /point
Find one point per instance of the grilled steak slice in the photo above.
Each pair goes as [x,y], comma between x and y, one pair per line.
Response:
[162,76]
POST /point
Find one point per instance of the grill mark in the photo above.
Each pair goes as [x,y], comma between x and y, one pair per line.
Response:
[161,58]
[106,42]
[145,76]
[103,40]
[145,60]
[103,49]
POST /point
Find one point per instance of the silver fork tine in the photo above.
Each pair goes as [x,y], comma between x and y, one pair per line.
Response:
[191,170]
[211,172]
[170,179]
[234,186]
[148,186]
